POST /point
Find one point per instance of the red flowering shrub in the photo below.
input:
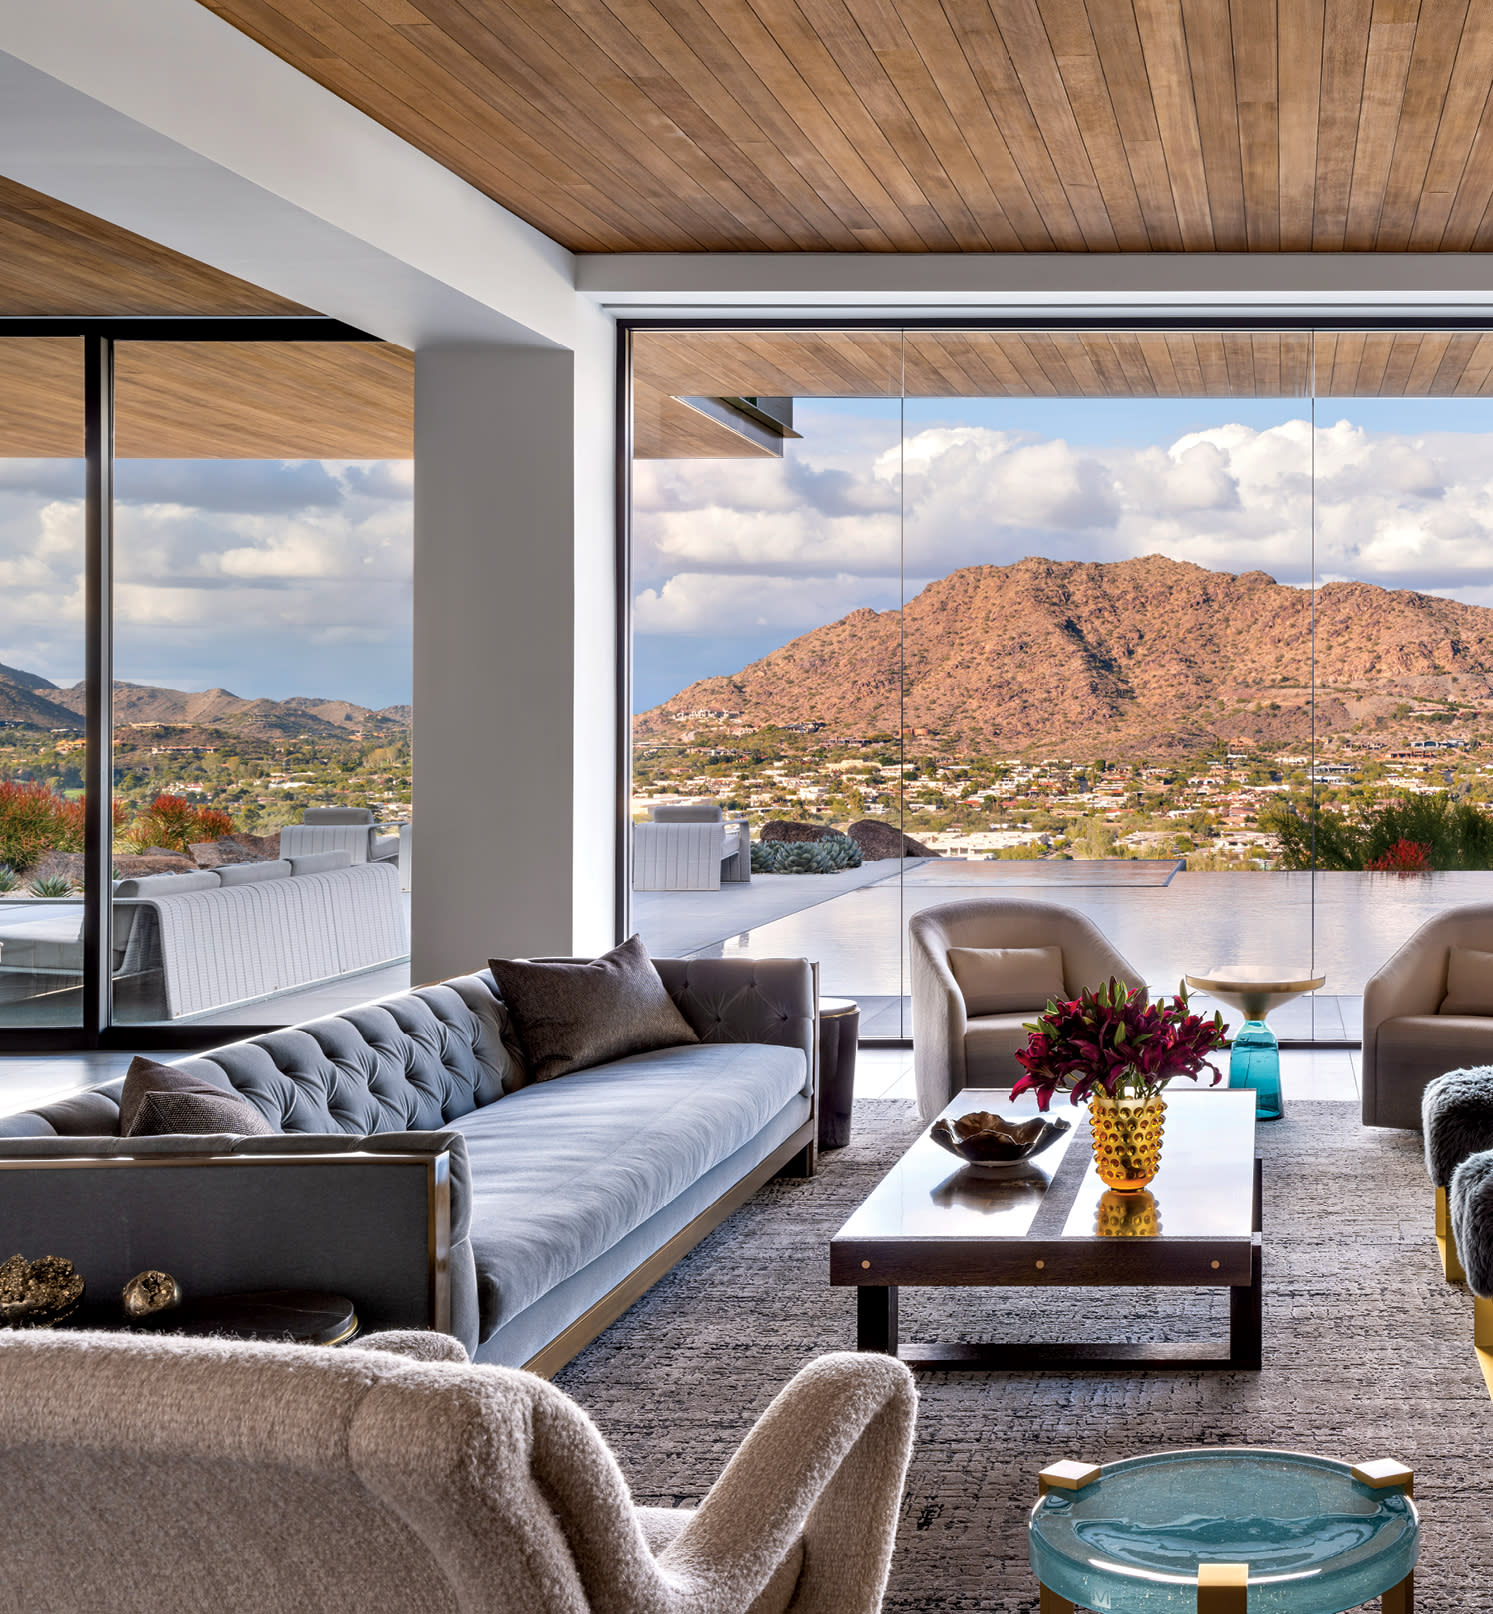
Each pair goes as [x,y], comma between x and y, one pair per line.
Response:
[1404,857]
[35,821]
[1111,1039]
[174,823]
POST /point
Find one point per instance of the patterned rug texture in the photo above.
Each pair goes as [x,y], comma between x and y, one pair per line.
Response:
[1368,1353]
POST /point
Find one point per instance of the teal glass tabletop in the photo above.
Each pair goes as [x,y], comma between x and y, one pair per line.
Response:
[1317,1541]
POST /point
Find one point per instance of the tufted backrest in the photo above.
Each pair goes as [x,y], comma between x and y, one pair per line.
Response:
[413,1062]
[747,1000]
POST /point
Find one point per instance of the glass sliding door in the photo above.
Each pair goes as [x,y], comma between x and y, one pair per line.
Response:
[767,748]
[43,738]
[262,720]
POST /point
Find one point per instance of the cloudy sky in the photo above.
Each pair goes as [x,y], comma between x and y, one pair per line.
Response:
[267,578]
[733,558]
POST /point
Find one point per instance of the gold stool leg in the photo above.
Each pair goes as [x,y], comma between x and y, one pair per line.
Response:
[1223,1588]
[1400,1599]
[1051,1603]
[1482,1338]
[1446,1240]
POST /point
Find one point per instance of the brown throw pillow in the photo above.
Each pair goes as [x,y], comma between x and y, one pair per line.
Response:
[572,1016]
[161,1099]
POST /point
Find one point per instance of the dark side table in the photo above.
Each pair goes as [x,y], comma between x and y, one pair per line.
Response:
[839,1031]
[293,1316]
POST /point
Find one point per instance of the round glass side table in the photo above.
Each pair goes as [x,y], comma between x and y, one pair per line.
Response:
[1223,1530]
[1254,1060]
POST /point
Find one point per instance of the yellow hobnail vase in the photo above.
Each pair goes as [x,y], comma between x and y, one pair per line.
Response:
[1135,1215]
[1127,1139]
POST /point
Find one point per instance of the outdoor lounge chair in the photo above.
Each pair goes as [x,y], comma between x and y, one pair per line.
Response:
[690,846]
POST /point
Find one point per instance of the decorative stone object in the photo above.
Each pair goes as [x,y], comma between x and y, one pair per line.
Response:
[787,829]
[36,1294]
[149,1292]
[992,1145]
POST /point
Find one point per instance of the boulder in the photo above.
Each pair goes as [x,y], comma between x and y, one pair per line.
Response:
[263,847]
[877,840]
[232,849]
[786,829]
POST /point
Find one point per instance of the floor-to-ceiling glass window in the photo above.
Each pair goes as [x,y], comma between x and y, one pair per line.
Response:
[43,739]
[767,744]
[261,714]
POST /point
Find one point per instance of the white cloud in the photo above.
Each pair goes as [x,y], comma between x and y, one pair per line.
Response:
[742,603]
[1407,510]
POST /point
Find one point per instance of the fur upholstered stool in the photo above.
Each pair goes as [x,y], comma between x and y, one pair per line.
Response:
[1457,1119]
[1472,1225]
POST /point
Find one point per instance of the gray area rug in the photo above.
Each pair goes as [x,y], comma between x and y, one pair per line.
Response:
[1368,1353]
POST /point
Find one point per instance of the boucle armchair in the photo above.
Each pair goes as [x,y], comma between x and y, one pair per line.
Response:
[952,1049]
[1411,1032]
[150,1475]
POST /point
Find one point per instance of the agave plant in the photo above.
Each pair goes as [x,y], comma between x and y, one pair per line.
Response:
[9,879]
[1112,1040]
[832,852]
[52,885]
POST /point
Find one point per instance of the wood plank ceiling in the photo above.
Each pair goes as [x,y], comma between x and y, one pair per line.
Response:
[933,125]
[178,400]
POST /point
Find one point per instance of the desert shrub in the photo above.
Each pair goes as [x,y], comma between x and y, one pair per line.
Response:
[35,821]
[53,885]
[832,852]
[1449,835]
[174,823]
[9,879]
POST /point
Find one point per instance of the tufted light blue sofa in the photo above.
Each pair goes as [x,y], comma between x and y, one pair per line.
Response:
[415,1171]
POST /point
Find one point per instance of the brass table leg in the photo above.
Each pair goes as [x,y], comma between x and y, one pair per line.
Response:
[1482,1337]
[1400,1599]
[1223,1588]
[1451,1263]
[1051,1603]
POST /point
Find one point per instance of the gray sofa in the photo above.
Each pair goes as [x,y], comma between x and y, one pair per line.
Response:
[414,1174]
[190,943]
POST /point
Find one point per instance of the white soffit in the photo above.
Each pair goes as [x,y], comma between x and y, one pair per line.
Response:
[162,118]
[1039,285]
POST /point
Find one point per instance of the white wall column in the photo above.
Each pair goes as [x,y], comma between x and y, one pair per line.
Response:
[514,653]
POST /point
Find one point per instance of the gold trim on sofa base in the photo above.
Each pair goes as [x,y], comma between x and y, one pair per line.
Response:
[1446,1242]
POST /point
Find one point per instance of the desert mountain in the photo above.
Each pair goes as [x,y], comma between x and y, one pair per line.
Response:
[32,700]
[1153,654]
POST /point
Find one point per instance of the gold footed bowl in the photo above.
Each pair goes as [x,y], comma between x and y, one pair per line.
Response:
[1126,1135]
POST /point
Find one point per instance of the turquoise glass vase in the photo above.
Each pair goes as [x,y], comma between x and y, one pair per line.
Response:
[1254,1062]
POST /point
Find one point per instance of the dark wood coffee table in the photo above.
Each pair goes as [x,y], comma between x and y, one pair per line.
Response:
[931,1223]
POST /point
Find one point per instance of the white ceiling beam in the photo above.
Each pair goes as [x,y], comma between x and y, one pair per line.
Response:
[889,285]
[161,117]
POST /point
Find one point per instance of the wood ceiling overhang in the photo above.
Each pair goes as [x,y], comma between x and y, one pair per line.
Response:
[933,125]
[178,400]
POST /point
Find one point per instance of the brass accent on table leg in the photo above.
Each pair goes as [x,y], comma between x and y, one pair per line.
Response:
[1446,1241]
[1066,1476]
[1400,1599]
[1482,1337]
[1385,1473]
[1051,1603]
[1223,1588]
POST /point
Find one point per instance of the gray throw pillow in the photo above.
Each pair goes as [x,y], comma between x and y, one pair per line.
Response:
[144,1112]
[572,1016]
[161,1115]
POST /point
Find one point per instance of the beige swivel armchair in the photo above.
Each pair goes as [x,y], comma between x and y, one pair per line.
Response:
[953,1049]
[157,1475]
[1412,1030]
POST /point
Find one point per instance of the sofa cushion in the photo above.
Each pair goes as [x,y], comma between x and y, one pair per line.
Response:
[998,980]
[1469,982]
[561,1171]
[337,815]
[320,862]
[253,873]
[43,941]
[574,1016]
[990,1044]
[168,885]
